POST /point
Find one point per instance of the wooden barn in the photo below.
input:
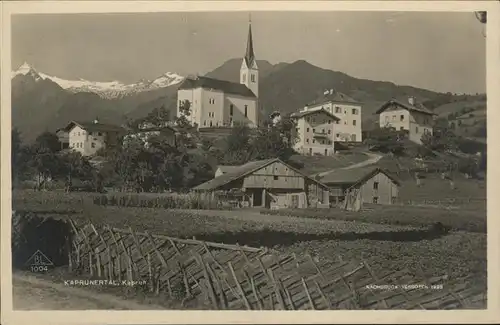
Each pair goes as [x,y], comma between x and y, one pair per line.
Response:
[271,184]
[374,184]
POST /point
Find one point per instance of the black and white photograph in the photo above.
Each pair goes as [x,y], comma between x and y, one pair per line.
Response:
[249,160]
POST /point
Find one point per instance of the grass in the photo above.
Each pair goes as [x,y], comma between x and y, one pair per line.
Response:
[318,164]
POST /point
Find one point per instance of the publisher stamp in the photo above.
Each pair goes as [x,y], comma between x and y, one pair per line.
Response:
[39,262]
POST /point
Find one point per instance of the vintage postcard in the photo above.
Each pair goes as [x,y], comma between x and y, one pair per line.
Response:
[250,162]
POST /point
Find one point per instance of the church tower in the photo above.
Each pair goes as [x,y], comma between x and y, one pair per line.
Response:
[249,72]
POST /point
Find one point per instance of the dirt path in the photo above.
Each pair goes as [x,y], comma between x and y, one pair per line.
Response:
[33,293]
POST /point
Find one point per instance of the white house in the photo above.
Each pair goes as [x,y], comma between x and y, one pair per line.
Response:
[316,131]
[217,103]
[348,113]
[411,116]
[88,137]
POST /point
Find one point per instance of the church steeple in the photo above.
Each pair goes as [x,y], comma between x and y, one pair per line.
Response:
[249,55]
[249,72]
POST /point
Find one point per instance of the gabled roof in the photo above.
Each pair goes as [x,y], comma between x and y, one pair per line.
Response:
[242,171]
[227,169]
[335,96]
[92,127]
[417,107]
[249,55]
[315,111]
[222,85]
[354,176]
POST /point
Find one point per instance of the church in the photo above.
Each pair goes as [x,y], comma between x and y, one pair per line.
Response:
[220,103]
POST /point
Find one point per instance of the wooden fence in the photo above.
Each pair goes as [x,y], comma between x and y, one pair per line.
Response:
[247,278]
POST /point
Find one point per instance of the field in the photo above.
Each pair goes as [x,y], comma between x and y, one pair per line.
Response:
[457,253]
[318,164]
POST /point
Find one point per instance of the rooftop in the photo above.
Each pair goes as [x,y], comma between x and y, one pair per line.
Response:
[415,106]
[351,176]
[332,96]
[316,111]
[222,85]
[94,126]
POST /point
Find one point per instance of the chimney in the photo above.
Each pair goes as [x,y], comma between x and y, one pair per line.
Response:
[411,100]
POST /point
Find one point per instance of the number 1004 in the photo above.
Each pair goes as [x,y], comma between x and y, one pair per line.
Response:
[39,268]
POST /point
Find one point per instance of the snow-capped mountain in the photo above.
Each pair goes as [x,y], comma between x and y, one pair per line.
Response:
[108,90]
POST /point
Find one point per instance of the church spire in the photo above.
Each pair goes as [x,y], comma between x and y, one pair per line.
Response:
[249,56]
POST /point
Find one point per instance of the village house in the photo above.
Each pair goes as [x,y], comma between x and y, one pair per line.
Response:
[410,116]
[146,130]
[271,183]
[374,184]
[63,137]
[346,109]
[89,137]
[220,103]
[315,132]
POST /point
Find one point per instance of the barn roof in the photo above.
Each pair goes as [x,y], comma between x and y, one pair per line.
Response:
[227,169]
[223,85]
[417,107]
[353,176]
[243,170]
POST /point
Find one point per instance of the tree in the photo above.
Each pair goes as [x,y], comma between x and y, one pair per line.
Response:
[50,141]
[18,157]
[74,165]
[386,139]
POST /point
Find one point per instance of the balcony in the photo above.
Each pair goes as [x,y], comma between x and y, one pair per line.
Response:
[320,135]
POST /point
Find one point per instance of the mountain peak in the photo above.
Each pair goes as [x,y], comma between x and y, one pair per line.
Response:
[24,69]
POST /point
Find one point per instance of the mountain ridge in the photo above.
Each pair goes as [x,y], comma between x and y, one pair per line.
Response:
[40,104]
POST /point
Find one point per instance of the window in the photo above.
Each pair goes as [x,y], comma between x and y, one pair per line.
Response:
[401,117]
[337,122]
[93,145]
[313,120]
[387,119]
[180,103]
[329,141]
[323,130]
[253,78]
[354,111]
[310,151]
[307,119]
[345,111]
[314,130]
[416,129]
[231,109]
[375,199]
[393,200]
[211,123]
[394,117]
[307,140]
[246,110]
[353,137]
[99,133]
[353,122]
[326,152]
[337,135]
[401,128]
[276,178]
[307,129]
[329,121]
[204,123]
[329,131]
[211,101]
[375,185]
[337,109]
[244,78]
[314,141]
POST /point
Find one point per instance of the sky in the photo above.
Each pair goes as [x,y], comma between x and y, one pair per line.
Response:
[438,51]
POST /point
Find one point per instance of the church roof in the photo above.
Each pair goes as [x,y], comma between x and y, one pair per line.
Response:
[223,85]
